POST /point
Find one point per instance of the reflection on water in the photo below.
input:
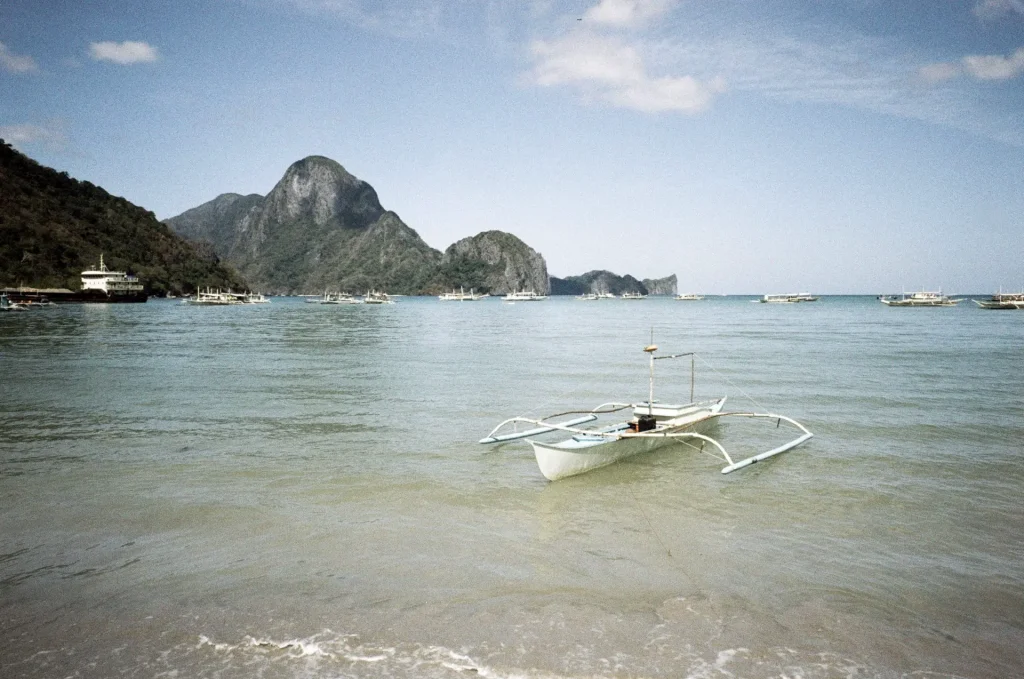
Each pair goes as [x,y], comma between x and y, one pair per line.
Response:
[295,490]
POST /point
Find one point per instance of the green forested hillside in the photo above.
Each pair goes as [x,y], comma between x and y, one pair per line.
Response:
[53,227]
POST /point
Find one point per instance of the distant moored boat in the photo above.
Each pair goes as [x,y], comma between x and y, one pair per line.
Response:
[790,298]
[920,299]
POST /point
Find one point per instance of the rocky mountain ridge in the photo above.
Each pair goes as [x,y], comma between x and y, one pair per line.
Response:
[600,281]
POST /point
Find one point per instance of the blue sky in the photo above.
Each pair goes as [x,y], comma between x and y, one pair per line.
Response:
[858,146]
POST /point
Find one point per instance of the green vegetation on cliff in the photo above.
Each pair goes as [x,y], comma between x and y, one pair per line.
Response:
[53,227]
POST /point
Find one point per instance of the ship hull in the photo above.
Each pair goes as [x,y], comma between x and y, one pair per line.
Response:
[64,296]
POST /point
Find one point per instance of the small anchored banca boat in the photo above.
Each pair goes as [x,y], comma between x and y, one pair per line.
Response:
[651,425]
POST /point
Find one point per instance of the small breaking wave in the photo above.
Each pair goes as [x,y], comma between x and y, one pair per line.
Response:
[329,652]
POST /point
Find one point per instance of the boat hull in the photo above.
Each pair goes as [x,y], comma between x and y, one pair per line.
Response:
[580,454]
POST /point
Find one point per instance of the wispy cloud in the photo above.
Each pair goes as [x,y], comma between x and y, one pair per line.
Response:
[996,9]
[845,69]
[127,52]
[940,72]
[403,18]
[979,66]
[15,63]
[627,13]
[50,134]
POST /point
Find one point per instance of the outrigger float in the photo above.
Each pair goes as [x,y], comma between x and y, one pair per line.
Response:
[652,425]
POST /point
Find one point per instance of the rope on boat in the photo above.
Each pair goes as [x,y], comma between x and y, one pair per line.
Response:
[731,383]
[648,520]
[557,398]
[699,449]
[595,411]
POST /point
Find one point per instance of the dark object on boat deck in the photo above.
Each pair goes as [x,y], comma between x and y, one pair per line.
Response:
[645,423]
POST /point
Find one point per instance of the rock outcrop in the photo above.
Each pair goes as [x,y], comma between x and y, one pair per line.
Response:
[215,222]
[661,286]
[494,262]
[598,282]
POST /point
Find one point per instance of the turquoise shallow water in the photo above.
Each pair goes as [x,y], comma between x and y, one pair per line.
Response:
[295,490]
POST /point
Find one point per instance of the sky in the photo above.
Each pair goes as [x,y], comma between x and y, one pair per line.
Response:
[849,146]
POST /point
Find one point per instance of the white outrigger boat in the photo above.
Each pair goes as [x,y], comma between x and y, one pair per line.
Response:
[462,296]
[789,298]
[1001,300]
[211,297]
[523,296]
[374,297]
[920,299]
[651,426]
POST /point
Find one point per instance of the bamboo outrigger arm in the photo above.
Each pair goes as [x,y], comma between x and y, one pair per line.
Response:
[733,466]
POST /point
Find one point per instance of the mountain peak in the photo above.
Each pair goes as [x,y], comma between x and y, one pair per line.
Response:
[320,190]
[315,164]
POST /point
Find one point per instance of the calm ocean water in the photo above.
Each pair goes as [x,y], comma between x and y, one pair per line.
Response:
[295,490]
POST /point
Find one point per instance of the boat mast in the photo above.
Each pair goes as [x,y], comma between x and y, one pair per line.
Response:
[650,349]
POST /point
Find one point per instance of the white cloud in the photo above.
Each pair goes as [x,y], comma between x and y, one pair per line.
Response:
[51,134]
[127,52]
[995,9]
[15,63]
[627,12]
[995,66]
[585,57]
[611,70]
[937,73]
[685,94]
